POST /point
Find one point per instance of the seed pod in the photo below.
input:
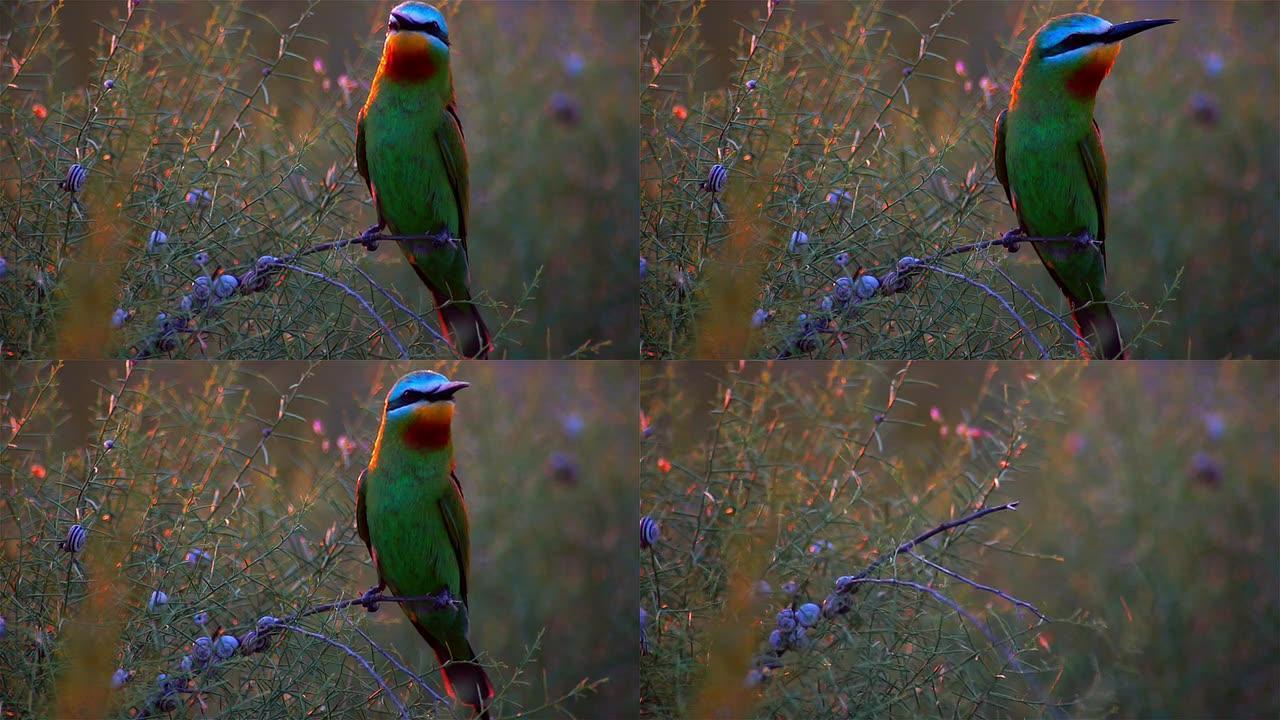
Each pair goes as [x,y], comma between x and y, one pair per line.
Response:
[807,614]
[787,620]
[799,239]
[75,539]
[867,286]
[157,600]
[156,240]
[225,286]
[226,646]
[649,532]
[76,175]
[716,179]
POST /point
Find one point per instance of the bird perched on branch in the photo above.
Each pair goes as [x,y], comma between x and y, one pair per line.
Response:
[411,516]
[411,153]
[1049,158]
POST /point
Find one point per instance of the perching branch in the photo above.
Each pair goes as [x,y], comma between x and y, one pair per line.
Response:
[214,293]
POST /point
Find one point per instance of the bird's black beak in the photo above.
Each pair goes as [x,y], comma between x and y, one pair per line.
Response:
[447,390]
[1129,29]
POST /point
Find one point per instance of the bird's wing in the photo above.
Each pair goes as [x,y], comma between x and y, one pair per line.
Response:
[453,148]
[454,511]
[1002,170]
[362,522]
[362,164]
[1095,169]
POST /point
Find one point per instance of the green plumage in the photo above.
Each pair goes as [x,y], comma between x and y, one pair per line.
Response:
[1048,156]
[412,517]
[412,154]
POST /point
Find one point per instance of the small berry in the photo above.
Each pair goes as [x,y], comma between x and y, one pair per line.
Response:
[201,259]
[777,640]
[157,600]
[759,317]
[764,588]
[266,622]
[751,84]
[201,618]
[120,677]
[185,664]
[108,444]
[842,259]
[4,267]
[185,304]
[108,84]
[644,267]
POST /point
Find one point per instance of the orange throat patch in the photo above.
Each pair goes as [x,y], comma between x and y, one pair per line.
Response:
[407,58]
[1084,82]
[428,427]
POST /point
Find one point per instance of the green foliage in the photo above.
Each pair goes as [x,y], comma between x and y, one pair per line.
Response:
[868,127]
[255,465]
[1145,532]
[255,104]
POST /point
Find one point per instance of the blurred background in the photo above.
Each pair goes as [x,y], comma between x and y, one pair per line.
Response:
[230,487]
[548,98]
[1190,116]
[1148,520]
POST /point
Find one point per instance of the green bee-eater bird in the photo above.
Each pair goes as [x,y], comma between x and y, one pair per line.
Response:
[411,153]
[411,515]
[1049,158]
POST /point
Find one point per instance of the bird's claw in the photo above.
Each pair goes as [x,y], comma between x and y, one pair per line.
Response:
[1084,239]
[1011,238]
[369,238]
[442,239]
[367,600]
[443,600]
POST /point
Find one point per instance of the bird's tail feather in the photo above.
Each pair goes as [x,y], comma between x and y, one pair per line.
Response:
[1096,324]
[464,680]
[460,320]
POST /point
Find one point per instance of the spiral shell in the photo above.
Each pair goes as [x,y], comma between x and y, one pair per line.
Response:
[649,532]
[75,539]
[202,650]
[867,286]
[201,289]
[225,286]
[226,646]
[807,614]
[716,179]
[76,175]
[156,240]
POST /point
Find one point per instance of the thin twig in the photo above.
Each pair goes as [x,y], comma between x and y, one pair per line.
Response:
[404,711]
[396,661]
[365,303]
[1044,352]
[1056,317]
[978,585]
[948,525]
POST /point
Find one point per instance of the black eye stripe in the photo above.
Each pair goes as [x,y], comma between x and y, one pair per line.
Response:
[1071,42]
[431,27]
[408,397]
